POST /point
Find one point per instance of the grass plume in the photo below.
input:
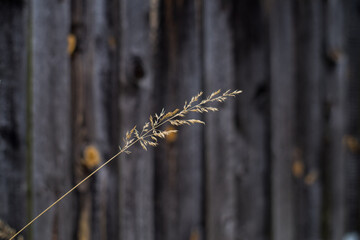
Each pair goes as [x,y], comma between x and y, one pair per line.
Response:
[151,132]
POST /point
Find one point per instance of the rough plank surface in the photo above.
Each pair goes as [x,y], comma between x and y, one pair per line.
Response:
[334,167]
[13,123]
[249,22]
[136,84]
[179,179]
[110,91]
[280,162]
[221,144]
[306,166]
[282,118]
[94,117]
[82,79]
[352,115]
[52,169]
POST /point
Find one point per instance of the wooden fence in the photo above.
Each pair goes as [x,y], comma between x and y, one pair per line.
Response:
[279,162]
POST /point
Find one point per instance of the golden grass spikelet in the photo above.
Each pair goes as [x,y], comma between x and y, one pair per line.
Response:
[159,134]
[129,134]
[145,127]
[192,121]
[215,93]
[153,144]
[199,110]
[170,114]
[213,109]
[142,143]
[137,134]
[172,118]
[196,98]
[232,94]
[179,122]
[163,134]
[169,132]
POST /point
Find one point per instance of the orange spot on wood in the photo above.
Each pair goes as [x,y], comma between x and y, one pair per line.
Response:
[91,157]
[298,164]
[351,143]
[172,136]
[84,229]
[71,39]
[298,168]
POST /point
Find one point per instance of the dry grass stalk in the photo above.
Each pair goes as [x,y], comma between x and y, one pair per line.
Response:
[151,132]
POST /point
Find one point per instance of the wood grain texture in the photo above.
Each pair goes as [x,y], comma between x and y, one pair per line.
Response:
[221,142]
[282,109]
[334,165]
[136,86]
[250,36]
[179,179]
[105,116]
[351,115]
[95,116]
[13,106]
[110,91]
[309,119]
[281,161]
[51,110]
[83,99]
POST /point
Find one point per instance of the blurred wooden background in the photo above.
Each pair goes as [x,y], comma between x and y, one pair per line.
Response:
[279,162]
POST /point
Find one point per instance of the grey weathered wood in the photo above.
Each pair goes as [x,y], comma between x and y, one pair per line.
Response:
[82,78]
[282,118]
[297,62]
[102,117]
[352,115]
[309,119]
[334,73]
[179,183]
[94,117]
[51,125]
[136,84]
[221,140]
[111,92]
[13,106]
[249,22]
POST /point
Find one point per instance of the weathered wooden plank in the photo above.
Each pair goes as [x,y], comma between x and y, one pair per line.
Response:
[309,119]
[221,143]
[100,127]
[179,168]
[282,117]
[136,84]
[82,78]
[13,107]
[94,117]
[281,121]
[334,73]
[51,119]
[111,90]
[249,22]
[352,115]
